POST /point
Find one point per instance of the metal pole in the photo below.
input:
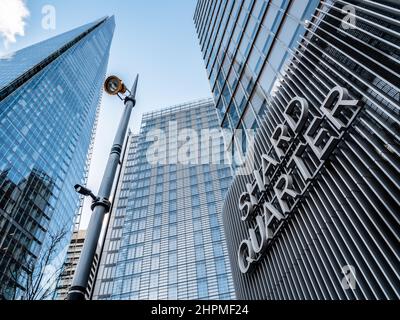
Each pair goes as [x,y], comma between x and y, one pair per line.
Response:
[102,205]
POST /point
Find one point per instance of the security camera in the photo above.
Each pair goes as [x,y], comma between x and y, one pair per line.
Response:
[84,191]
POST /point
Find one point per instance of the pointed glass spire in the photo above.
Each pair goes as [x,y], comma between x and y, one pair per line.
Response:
[16,64]
[49,103]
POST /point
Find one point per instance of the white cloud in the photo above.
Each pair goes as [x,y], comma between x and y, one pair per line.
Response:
[6,55]
[12,19]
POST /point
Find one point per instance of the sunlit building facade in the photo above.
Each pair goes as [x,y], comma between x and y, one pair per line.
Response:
[170,244]
[49,102]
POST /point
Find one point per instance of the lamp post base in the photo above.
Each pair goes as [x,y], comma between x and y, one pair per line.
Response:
[77,294]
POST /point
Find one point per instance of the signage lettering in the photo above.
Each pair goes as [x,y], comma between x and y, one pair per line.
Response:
[288,168]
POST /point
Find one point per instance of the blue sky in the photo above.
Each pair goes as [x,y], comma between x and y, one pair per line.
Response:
[155,38]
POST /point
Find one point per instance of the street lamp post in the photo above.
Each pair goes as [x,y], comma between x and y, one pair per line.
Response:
[101,203]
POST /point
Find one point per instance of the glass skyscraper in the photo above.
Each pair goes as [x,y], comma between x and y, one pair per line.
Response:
[246,45]
[49,103]
[166,240]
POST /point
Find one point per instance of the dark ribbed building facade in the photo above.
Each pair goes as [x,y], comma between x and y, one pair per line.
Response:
[319,216]
[245,46]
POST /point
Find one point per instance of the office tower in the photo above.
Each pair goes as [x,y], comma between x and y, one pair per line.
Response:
[171,245]
[328,161]
[49,102]
[70,263]
[112,241]
[245,46]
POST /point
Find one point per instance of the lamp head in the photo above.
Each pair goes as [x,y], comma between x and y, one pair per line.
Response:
[114,85]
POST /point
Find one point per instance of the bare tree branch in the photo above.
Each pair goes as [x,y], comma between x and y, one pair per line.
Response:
[35,288]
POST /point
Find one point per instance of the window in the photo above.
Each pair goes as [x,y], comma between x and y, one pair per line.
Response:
[173,276]
[223,286]
[193,180]
[202,289]
[156,247]
[105,287]
[156,233]
[249,119]
[159,198]
[135,283]
[140,237]
[218,250]
[137,266]
[267,78]
[194,189]
[154,279]
[198,238]
[111,258]
[157,220]
[196,212]
[211,208]
[200,253]
[155,262]
[172,259]
[207,177]
[173,229]
[216,234]
[172,195]
[288,30]
[158,209]
[197,224]
[201,270]
[173,292]
[214,220]
[153,294]
[172,217]
[173,244]
[220,266]
[259,8]
[135,252]
[195,201]
[193,171]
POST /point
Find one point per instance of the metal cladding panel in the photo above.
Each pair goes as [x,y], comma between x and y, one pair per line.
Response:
[345,213]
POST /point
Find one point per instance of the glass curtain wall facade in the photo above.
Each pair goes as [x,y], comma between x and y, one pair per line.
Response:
[49,101]
[245,46]
[328,154]
[173,244]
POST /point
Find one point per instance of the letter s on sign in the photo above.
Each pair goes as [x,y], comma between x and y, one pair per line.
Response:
[245,206]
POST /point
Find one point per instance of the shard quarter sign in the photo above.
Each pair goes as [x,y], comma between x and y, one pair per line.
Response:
[299,148]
